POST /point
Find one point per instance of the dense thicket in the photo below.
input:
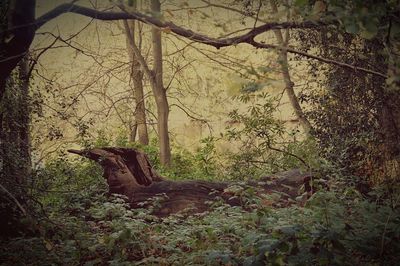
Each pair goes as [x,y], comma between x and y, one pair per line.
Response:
[15,162]
[354,115]
[15,153]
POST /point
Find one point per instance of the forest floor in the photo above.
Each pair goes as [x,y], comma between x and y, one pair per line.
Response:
[88,227]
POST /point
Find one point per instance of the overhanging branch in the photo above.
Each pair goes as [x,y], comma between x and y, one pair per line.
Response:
[322,59]
[200,38]
[169,26]
[24,30]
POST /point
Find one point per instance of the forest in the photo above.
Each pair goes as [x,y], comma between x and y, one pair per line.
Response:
[200,132]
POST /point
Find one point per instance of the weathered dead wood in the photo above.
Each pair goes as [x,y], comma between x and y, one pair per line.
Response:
[129,172]
[125,169]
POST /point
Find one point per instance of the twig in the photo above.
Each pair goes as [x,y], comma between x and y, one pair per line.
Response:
[14,199]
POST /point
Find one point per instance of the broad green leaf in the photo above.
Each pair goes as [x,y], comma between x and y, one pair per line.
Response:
[352,27]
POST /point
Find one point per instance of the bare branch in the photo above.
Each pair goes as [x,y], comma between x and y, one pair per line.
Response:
[169,26]
[14,199]
[322,59]
[200,38]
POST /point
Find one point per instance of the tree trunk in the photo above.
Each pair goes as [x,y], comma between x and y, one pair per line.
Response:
[140,112]
[15,135]
[15,160]
[18,34]
[289,85]
[25,118]
[160,93]
[129,172]
[156,82]
[133,131]
[137,79]
[389,124]
[389,115]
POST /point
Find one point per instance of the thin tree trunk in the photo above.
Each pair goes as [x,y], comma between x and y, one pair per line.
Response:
[137,79]
[133,131]
[140,112]
[160,93]
[24,131]
[15,160]
[289,84]
[20,31]
[389,118]
[15,130]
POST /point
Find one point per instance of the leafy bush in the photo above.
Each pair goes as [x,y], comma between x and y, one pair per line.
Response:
[64,178]
[266,145]
[333,228]
[77,223]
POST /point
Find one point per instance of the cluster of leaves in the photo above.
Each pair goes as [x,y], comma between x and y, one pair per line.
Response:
[345,107]
[15,106]
[84,227]
[66,176]
[266,144]
[368,19]
[202,163]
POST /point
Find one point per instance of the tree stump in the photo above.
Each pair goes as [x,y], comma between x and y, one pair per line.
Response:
[129,172]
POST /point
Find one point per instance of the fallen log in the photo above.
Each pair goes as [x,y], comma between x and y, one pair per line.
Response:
[129,172]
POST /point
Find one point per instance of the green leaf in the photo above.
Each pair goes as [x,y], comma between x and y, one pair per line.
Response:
[267,245]
[290,230]
[252,87]
[352,27]
[370,29]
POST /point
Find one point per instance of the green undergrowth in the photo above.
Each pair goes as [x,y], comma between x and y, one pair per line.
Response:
[88,227]
[75,222]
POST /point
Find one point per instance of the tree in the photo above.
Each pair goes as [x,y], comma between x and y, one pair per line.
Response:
[131,28]
[128,172]
[15,160]
[160,93]
[355,115]
[155,77]
[23,29]
[16,38]
[289,85]
[15,153]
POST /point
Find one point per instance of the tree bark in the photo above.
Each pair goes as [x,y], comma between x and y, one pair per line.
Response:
[289,84]
[389,114]
[25,118]
[389,124]
[137,79]
[15,130]
[17,37]
[133,131]
[160,93]
[129,173]
[140,110]
[15,159]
